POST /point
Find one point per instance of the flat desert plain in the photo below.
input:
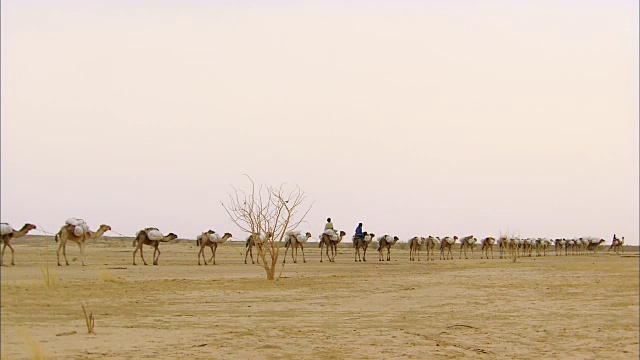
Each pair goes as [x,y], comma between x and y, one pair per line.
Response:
[553,307]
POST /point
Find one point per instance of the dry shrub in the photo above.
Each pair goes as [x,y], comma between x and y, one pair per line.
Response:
[89,319]
[47,275]
[267,213]
[107,277]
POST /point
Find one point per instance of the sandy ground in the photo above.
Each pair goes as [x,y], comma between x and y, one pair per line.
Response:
[576,307]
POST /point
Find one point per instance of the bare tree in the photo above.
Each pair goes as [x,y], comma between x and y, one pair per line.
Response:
[267,213]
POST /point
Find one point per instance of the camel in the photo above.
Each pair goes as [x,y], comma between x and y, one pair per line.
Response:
[326,240]
[570,247]
[362,243]
[415,243]
[143,237]
[487,245]
[558,245]
[503,245]
[250,242]
[515,244]
[212,240]
[9,233]
[542,245]
[446,243]
[581,245]
[617,244]
[386,242]
[593,245]
[297,240]
[527,246]
[430,243]
[467,242]
[67,233]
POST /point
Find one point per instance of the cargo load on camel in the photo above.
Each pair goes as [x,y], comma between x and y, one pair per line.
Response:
[77,226]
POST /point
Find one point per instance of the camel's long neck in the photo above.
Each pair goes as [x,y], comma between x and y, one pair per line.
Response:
[100,232]
[22,232]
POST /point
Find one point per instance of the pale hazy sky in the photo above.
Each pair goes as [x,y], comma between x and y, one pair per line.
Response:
[416,118]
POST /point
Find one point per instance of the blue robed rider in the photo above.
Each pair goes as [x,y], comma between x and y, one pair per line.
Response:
[359,234]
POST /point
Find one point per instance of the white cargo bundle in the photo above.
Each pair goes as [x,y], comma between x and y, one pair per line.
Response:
[302,238]
[293,232]
[329,232]
[79,226]
[155,235]
[5,229]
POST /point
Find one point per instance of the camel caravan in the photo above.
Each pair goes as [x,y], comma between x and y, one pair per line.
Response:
[78,231]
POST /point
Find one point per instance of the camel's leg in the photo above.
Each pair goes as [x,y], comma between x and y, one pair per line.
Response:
[136,250]
[213,250]
[286,249]
[142,255]
[2,258]
[156,258]
[12,252]
[58,251]
[304,261]
[213,255]
[321,245]
[201,252]
[356,254]
[327,250]
[64,253]
[82,246]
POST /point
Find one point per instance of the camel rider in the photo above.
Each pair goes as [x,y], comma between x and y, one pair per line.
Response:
[329,226]
[359,234]
[613,242]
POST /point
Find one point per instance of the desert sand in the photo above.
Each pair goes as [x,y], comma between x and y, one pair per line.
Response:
[553,307]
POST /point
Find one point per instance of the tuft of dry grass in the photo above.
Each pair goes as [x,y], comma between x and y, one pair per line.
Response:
[45,269]
[89,319]
[108,277]
[35,349]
